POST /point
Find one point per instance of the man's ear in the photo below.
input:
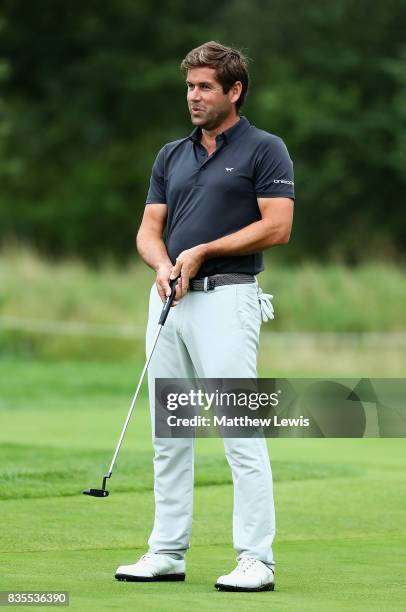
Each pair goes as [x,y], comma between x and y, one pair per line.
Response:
[235,90]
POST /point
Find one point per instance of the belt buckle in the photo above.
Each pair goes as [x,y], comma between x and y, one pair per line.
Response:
[208,284]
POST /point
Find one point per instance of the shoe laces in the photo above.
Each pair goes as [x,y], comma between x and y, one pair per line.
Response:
[147,557]
[245,564]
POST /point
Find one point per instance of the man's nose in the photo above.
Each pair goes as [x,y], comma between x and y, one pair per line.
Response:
[194,94]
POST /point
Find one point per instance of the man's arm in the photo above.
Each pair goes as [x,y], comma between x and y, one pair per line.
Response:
[151,246]
[274,228]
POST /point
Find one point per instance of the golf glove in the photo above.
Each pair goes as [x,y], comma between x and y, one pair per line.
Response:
[267,312]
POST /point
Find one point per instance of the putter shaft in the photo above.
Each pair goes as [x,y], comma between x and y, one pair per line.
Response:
[165,311]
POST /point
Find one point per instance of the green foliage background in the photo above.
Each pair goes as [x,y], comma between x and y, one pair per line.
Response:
[92,90]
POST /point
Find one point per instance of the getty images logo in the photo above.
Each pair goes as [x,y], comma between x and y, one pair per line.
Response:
[283,181]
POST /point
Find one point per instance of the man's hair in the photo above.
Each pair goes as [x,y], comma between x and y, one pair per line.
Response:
[230,66]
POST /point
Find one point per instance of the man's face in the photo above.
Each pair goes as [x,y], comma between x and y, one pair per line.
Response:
[208,104]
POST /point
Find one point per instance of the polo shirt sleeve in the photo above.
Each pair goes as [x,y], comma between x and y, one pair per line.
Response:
[274,171]
[156,191]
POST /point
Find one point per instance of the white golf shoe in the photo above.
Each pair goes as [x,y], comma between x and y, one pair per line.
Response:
[152,567]
[249,575]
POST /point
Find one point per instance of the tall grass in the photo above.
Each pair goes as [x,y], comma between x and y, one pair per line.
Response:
[307,298]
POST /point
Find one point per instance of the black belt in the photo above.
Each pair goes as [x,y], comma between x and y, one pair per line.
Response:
[208,283]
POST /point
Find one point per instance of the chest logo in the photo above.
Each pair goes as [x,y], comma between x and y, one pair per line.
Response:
[229,169]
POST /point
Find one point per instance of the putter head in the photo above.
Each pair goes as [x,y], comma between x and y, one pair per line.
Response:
[96,492]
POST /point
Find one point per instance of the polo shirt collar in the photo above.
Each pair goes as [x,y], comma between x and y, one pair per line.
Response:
[228,135]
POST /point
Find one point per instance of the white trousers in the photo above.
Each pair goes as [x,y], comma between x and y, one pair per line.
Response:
[212,334]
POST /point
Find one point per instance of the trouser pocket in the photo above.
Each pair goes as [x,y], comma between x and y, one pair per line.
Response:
[248,306]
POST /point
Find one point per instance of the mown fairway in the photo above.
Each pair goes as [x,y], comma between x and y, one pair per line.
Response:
[65,391]
[341,510]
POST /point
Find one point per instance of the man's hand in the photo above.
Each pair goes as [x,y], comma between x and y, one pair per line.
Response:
[162,280]
[187,266]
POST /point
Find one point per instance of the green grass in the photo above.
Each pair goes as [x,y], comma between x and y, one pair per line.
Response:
[334,298]
[340,503]
[112,303]
[42,471]
[341,510]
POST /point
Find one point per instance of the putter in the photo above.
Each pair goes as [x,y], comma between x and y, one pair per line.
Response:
[165,311]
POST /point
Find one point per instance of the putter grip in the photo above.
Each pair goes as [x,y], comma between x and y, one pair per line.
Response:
[168,302]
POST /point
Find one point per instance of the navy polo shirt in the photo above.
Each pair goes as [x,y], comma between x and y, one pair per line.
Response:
[211,196]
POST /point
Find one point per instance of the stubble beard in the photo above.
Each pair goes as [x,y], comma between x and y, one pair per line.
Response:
[212,120]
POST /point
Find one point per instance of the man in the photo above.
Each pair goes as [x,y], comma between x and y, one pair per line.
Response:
[222,196]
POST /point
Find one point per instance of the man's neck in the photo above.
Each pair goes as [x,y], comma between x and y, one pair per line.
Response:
[209,136]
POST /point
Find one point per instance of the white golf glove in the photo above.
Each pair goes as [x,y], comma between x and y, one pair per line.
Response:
[267,312]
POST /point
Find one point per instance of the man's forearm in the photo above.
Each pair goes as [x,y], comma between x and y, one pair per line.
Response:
[152,249]
[255,237]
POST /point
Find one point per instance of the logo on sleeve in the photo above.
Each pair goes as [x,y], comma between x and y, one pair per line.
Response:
[283,181]
[229,169]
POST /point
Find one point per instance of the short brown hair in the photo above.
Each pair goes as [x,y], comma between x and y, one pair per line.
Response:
[230,65]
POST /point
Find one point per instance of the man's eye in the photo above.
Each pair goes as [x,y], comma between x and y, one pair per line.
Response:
[189,86]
